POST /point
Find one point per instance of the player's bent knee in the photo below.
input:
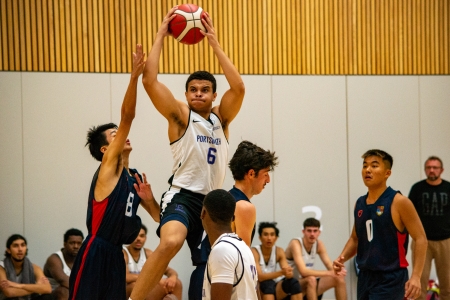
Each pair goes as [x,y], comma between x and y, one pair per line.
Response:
[267,287]
[338,281]
[311,282]
[179,283]
[291,286]
[169,246]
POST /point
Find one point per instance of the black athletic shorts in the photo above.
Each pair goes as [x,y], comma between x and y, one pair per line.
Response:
[268,287]
[382,285]
[184,206]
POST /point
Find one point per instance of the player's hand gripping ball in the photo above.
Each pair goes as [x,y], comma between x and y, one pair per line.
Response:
[186,25]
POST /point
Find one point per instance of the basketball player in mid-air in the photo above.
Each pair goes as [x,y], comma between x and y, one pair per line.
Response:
[198,135]
[116,191]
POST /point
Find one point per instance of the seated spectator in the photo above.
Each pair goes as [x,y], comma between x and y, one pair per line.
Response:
[274,283]
[135,255]
[59,264]
[301,253]
[19,278]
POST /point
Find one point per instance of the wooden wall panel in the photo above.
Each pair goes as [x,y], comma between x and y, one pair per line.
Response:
[360,37]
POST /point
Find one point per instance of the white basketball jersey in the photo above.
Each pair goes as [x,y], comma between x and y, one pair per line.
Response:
[231,261]
[66,271]
[308,258]
[66,268]
[135,267]
[200,156]
[271,265]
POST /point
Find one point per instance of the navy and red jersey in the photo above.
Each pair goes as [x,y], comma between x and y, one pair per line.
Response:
[381,247]
[114,219]
[99,268]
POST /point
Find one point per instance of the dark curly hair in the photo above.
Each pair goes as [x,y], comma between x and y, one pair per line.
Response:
[249,156]
[220,206]
[263,225]
[202,75]
[72,232]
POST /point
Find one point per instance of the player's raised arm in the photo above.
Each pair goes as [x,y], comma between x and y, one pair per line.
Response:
[161,97]
[112,163]
[232,99]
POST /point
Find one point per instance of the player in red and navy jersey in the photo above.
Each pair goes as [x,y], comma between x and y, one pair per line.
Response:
[383,220]
[116,191]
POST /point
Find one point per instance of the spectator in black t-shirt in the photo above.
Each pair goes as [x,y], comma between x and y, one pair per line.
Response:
[431,199]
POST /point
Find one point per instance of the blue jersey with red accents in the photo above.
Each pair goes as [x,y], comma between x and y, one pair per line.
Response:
[99,268]
[114,219]
[381,247]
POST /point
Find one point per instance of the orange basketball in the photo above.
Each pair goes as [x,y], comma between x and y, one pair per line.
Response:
[186,25]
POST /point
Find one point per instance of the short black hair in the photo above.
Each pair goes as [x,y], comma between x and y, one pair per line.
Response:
[144,228]
[386,157]
[96,139]
[249,156]
[12,239]
[202,75]
[434,157]
[264,225]
[220,206]
[72,232]
[311,222]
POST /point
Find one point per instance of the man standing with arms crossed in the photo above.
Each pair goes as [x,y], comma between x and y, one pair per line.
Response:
[198,135]
[383,220]
[431,200]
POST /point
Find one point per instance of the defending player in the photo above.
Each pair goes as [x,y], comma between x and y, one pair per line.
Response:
[116,191]
[198,134]
[383,220]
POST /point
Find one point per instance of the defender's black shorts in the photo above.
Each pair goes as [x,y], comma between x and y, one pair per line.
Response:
[382,285]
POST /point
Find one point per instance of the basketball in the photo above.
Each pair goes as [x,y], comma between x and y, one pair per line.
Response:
[186,25]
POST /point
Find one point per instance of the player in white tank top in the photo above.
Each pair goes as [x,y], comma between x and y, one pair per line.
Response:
[302,253]
[200,156]
[66,270]
[272,264]
[200,93]
[229,251]
[231,268]
[276,277]
[308,258]
[135,267]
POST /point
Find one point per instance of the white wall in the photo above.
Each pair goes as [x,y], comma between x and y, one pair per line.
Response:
[319,127]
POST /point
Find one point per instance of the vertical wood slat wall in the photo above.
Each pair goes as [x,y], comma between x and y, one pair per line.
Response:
[260,36]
